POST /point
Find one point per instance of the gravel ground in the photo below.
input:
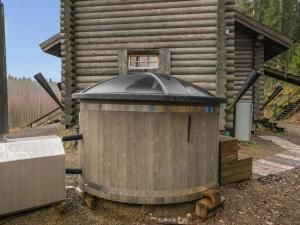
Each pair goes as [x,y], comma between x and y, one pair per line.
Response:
[271,200]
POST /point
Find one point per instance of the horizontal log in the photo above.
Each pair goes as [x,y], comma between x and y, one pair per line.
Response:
[243,52]
[146,19]
[193,63]
[90,53]
[193,70]
[194,50]
[230,69]
[176,53]
[197,78]
[144,39]
[244,74]
[142,6]
[246,96]
[230,50]
[143,26]
[243,65]
[92,79]
[206,45]
[92,59]
[97,65]
[230,56]
[239,83]
[116,5]
[244,60]
[150,12]
[248,70]
[94,72]
[237,78]
[207,33]
[184,57]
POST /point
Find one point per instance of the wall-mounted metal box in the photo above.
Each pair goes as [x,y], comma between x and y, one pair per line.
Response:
[32,173]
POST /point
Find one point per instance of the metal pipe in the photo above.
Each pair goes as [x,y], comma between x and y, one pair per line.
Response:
[3,78]
[254,75]
[73,171]
[42,81]
[276,92]
[75,137]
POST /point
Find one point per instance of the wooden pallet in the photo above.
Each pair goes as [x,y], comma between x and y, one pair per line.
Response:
[231,169]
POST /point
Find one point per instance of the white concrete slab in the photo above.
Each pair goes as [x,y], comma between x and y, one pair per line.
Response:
[29,148]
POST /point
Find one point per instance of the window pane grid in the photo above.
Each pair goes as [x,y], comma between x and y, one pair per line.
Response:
[143,61]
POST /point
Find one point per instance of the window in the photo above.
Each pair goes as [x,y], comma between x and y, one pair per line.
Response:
[143,61]
[133,61]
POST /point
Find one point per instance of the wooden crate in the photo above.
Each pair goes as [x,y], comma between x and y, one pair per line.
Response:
[231,169]
[235,171]
[228,149]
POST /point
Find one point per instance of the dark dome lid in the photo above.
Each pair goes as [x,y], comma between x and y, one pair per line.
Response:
[148,87]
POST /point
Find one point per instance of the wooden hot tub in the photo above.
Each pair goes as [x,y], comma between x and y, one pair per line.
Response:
[148,139]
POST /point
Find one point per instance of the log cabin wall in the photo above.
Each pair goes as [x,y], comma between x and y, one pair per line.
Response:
[258,89]
[249,55]
[230,52]
[68,60]
[244,60]
[98,31]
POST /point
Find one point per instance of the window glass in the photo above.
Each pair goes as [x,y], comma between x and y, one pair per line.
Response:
[143,61]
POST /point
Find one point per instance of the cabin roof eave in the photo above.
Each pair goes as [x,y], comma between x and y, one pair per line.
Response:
[264,30]
[52,45]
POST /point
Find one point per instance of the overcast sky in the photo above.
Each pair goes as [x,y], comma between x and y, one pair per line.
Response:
[28,23]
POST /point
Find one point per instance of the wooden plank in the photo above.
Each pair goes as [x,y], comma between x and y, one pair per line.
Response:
[235,171]
[228,149]
[131,153]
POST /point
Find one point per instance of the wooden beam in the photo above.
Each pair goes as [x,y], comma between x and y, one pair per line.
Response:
[3,78]
[221,66]
[280,75]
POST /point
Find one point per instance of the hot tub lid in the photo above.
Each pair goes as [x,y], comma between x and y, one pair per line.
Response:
[148,87]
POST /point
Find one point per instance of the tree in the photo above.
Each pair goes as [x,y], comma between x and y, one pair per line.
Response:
[294,66]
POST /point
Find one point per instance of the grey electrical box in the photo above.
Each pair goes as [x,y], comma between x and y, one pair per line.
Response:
[32,173]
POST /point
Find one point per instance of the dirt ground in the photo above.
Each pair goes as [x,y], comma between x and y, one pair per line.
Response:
[271,200]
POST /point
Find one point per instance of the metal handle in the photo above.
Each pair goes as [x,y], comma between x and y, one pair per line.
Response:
[189,127]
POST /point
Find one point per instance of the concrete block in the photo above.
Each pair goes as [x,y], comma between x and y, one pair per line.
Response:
[32,173]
